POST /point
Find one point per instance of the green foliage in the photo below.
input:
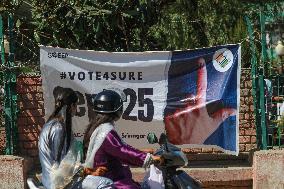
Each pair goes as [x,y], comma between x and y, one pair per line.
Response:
[131,25]
[9,5]
[196,23]
[280,122]
[99,25]
[239,34]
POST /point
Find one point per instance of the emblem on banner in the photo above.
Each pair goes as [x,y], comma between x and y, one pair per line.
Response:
[223,60]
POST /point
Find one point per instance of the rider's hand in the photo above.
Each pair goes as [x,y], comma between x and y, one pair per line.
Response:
[158,160]
[99,171]
[193,124]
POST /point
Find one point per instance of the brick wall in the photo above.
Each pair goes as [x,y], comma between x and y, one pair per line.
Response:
[247,139]
[2,129]
[31,115]
[30,119]
[2,140]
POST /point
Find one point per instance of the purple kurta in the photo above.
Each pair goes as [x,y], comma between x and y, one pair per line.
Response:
[114,154]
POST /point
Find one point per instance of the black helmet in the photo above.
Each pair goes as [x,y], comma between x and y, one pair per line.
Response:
[107,101]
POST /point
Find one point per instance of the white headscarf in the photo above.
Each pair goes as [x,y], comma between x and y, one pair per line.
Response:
[96,140]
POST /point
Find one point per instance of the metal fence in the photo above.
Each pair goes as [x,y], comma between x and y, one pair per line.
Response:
[268,76]
[8,79]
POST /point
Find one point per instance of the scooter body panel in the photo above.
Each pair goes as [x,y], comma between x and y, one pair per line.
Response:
[184,181]
[174,158]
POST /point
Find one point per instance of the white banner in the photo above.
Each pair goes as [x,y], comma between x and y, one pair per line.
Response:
[193,95]
[141,76]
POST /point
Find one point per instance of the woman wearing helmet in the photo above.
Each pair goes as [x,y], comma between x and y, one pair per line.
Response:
[105,147]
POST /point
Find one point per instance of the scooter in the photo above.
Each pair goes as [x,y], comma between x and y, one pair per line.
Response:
[174,158]
[172,178]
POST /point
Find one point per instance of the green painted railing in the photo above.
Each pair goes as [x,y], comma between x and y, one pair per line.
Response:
[267,81]
[9,78]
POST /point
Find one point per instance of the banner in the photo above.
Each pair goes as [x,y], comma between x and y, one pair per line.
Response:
[192,95]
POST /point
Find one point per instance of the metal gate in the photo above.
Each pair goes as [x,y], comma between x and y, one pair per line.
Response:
[267,74]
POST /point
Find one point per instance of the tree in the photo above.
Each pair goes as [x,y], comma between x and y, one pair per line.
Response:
[99,25]
[127,25]
[196,23]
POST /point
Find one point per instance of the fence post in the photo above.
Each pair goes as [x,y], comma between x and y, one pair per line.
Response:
[10,92]
[9,79]
[254,76]
[261,81]
[262,113]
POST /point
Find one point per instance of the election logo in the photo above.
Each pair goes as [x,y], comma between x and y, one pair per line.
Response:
[223,60]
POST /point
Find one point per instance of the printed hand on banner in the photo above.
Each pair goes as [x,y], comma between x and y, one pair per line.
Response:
[193,124]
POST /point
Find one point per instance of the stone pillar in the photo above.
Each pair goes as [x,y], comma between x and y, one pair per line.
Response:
[268,169]
[13,172]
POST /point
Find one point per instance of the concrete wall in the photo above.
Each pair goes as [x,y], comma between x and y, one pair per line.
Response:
[214,178]
[268,169]
[13,172]
[267,172]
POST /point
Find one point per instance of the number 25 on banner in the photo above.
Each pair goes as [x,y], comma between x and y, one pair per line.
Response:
[143,103]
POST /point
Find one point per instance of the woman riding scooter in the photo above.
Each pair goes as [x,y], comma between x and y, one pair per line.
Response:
[105,147]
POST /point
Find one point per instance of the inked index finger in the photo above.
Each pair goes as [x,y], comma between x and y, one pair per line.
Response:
[201,81]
